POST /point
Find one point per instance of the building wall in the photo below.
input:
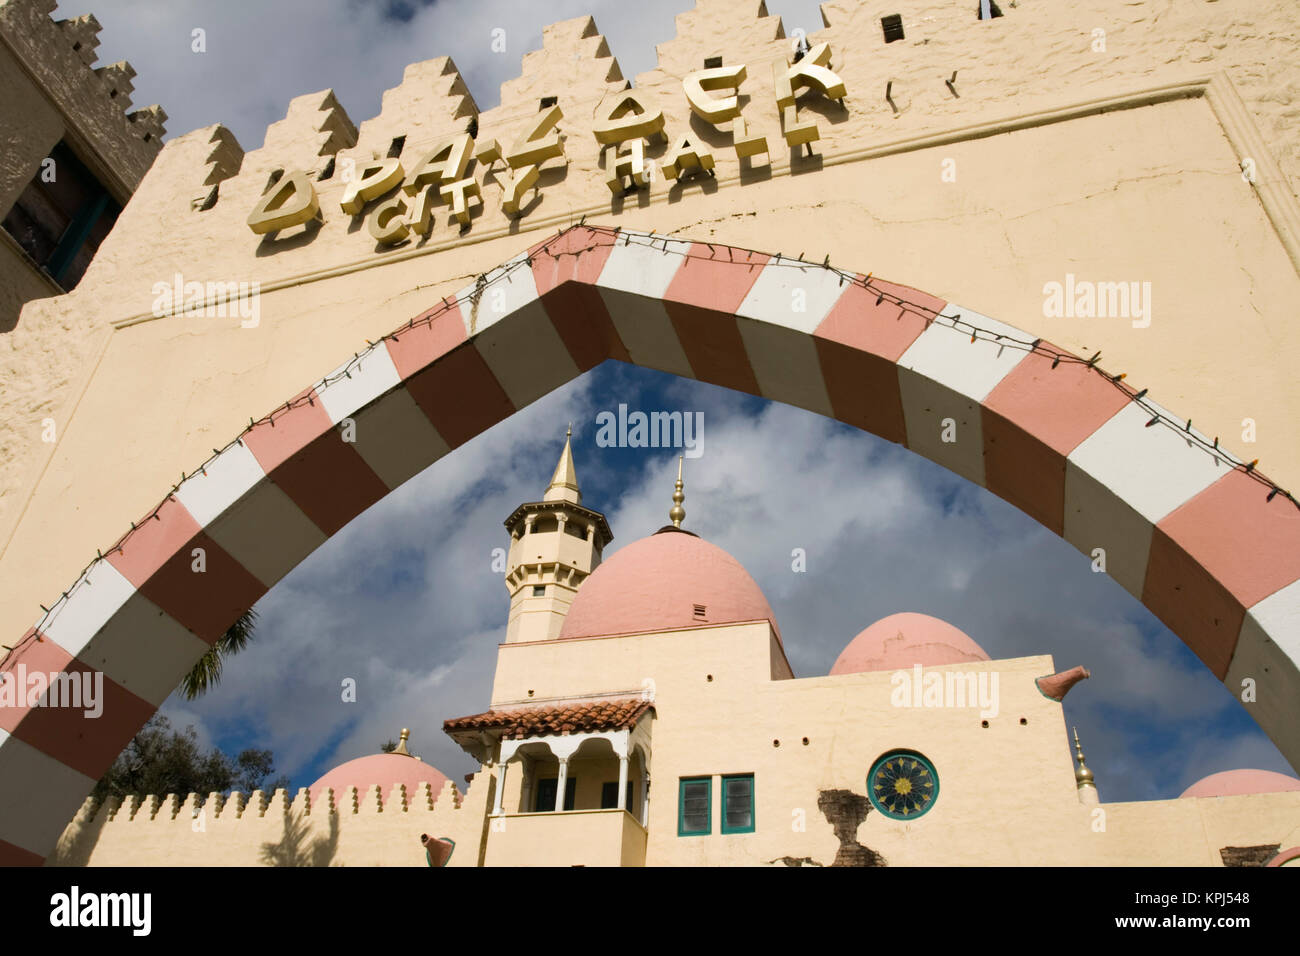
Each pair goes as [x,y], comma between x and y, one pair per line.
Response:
[52,92]
[1007,792]
[1117,195]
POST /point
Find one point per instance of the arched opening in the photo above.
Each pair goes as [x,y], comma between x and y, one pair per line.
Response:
[1198,537]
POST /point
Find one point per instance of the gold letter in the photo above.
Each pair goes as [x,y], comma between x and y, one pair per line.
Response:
[376,178]
[540,143]
[445,163]
[457,194]
[698,84]
[618,165]
[686,155]
[289,202]
[386,223]
[626,118]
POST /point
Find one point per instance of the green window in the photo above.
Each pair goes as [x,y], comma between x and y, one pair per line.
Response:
[695,806]
[738,803]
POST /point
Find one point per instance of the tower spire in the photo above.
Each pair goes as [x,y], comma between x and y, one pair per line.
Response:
[1083,779]
[678,513]
[564,483]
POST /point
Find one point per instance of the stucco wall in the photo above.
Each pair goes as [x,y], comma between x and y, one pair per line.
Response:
[1007,792]
[1145,194]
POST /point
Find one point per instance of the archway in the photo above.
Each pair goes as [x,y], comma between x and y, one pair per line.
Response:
[1207,544]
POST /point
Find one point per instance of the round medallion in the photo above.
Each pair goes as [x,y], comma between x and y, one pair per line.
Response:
[903,785]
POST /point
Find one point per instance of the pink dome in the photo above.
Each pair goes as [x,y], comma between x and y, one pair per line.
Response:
[1231,783]
[657,583]
[901,640]
[387,770]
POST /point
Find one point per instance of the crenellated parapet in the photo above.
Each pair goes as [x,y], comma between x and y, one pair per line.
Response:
[58,58]
[432,101]
[314,127]
[742,29]
[347,827]
[574,64]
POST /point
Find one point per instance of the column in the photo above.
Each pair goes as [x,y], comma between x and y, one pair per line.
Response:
[561,784]
[501,788]
[622,781]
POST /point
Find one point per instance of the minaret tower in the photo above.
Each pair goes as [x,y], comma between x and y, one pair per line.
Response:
[554,544]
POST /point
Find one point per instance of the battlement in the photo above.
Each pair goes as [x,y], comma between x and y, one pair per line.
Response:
[347,827]
[59,58]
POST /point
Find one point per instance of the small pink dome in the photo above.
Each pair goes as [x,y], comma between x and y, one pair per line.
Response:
[901,640]
[656,584]
[387,770]
[1231,783]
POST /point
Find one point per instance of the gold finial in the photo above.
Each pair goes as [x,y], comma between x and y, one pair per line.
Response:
[401,744]
[1082,776]
[678,513]
[569,433]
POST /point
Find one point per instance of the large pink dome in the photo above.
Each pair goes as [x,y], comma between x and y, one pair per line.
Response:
[901,640]
[386,770]
[657,584]
[1231,783]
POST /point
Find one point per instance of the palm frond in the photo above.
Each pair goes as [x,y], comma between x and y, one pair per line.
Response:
[206,672]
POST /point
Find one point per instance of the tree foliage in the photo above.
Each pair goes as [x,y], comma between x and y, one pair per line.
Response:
[207,672]
[160,760]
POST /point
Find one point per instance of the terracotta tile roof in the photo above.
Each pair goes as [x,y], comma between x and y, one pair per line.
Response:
[618,713]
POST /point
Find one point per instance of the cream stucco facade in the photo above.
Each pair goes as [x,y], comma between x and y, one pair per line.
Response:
[1103,142]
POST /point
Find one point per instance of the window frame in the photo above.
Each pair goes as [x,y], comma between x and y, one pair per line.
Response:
[681,806]
[753,816]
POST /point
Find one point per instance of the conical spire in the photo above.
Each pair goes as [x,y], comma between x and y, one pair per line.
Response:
[564,483]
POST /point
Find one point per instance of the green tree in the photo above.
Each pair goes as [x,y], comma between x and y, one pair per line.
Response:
[389,747]
[206,674]
[160,760]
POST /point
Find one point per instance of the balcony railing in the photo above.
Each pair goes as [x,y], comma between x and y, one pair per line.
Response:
[568,838]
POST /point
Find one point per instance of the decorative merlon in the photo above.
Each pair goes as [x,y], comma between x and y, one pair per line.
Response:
[574,64]
[83,36]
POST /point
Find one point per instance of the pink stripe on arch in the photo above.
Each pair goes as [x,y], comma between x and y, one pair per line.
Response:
[88,745]
[565,271]
[1032,420]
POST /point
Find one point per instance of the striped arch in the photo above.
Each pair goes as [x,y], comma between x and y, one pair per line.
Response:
[1189,532]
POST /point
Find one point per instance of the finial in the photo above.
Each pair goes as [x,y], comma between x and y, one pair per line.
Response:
[1082,776]
[678,513]
[401,743]
[569,433]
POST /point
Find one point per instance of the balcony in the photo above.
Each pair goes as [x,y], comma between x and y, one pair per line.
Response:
[568,838]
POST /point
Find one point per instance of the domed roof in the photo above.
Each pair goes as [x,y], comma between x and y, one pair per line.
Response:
[657,584]
[386,770]
[1231,783]
[901,640]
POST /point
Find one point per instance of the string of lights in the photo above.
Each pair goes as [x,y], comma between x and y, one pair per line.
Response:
[686,249]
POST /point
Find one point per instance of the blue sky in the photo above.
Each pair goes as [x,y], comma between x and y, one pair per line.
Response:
[404,599]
